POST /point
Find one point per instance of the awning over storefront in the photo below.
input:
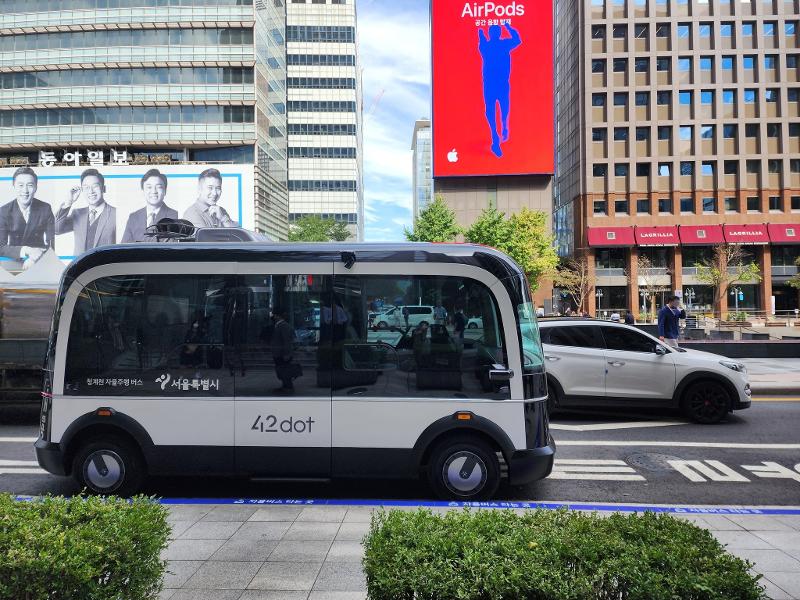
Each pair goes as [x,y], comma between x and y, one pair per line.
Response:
[784,234]
[657,236]
[701,235]
[600,237]
[746,234]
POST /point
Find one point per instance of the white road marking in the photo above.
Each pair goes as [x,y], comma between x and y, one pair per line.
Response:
[613,426]
[597,470]
[20,471]
[22,440]
[772,470]
[723,445]
[698,471]
[18,463]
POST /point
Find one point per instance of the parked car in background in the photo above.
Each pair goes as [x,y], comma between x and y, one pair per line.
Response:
[395,317]
[602,364]
[475,323]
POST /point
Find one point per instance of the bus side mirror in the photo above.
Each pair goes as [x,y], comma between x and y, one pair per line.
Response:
[499,374]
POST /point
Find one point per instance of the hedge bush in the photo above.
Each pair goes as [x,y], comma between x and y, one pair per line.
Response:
[78,548]
[548,555]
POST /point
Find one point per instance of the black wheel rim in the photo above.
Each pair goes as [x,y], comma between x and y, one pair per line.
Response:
[104,471]
[464,473]
[708,403]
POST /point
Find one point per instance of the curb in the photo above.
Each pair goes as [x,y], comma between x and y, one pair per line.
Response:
[774,391]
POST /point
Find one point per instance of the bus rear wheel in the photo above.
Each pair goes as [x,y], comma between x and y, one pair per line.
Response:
[109,465]
[464,468]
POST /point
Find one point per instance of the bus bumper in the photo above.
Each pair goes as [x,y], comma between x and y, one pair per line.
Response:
[49,456]
[531,465]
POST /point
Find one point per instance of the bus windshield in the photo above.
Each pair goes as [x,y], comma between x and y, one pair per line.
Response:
[531,342]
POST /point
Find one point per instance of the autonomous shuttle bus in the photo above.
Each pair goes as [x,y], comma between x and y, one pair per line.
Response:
[258,360]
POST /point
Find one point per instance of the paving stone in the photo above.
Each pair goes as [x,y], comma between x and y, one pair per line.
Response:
[273,595]
[769,560]
[230,513]
[212,530]
[345,552]
[178,572]
[191,549]
[788,582]
[341,577]
[359,515]
[305,551]
[695,519]
[288,576]
[312,531]
[741,539]
[782,540]
[245,550]
[266,530]
[720,523]
[325,514]
[223,575]
[352,532]
[187,512]
[773,591]
[792,521]
[207,595]
[166,594]
[276,513]
[326,595]
[760,523]
[178,528]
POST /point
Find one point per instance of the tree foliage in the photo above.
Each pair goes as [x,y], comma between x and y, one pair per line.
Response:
[523,236]
[573,277]
[726,266]
[795,281]
[313,228]
[436,223]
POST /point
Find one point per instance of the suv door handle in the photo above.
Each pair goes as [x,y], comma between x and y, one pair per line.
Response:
[552,358]
[616,363]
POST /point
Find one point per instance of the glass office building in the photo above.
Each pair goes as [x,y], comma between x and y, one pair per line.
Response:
[177,81]
[421,160]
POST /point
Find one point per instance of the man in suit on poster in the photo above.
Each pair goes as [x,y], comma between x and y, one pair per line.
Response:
[205,212]
[27,225]
[154,188]
[94,225]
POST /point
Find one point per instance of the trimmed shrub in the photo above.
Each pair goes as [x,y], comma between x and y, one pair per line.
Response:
[81,548]
[548,555]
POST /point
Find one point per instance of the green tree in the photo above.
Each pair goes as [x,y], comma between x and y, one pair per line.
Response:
[437,223]
[795,281]
[727,266]
[313,228]
[523,236]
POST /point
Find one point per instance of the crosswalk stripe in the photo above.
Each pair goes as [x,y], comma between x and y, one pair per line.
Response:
[596,476]
[18,463]
[21,440]
[22,471]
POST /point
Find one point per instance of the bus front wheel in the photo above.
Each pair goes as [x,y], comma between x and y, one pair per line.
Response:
[109,465]
[464,468]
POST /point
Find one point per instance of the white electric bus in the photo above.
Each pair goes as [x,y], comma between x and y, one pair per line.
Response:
[258,360]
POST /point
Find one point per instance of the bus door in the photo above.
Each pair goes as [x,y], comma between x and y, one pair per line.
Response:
[283,371]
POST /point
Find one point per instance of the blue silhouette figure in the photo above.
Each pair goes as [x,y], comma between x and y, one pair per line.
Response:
[496,55]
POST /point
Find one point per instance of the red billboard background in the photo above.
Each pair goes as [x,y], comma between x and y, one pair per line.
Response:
[463,143]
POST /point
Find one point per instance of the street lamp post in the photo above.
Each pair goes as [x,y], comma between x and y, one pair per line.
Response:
[690,296]
[735,293]
[599,295]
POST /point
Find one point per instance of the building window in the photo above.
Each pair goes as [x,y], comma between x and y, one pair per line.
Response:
[687,205]
[620,170]
[320,33]
[598,32]
[664,132]
[753,167]
[707,97]
[728,97]
[732,204]
[775,204]
[687,168]
[642,134]
[599,135]
[749,62]
[794,165]
[706,63]
[620,134]
[685,133]
[727,63]
[620,99]
[729,131]
[620,32]
[600,207]
[664,169]
[773,130]
[640,31]
[665,206]
[753,204]
[731,167]
[707,132]
[598,100]
[325,106]
[726,30]
[663,64]
[598,65]
[770,61]
[620,65]
[684,64]
[751,130]
[683,30]
[664,98]
[643,169]
[775,165]
[663,30]
[709,205]
[641,65]
[317,152]
[621,207]
[321,83]
[685,98]
[772,95]
[321,129]
[599,170]
[643,206]
[305,185]
[325,60]
[795,202]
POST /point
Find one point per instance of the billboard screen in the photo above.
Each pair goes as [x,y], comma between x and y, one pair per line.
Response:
[64,211]
[492,87]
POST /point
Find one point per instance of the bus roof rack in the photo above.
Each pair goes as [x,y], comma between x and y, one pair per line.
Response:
[181,230]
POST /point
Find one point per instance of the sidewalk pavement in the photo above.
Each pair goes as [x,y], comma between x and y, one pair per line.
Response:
[279,552]
[773,376]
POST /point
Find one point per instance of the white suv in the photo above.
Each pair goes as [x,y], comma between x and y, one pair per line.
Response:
[598,363]
[394,317]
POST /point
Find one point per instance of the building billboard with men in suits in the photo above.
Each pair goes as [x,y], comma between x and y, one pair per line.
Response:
[61,212]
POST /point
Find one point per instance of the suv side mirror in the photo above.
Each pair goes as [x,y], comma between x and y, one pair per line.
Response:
[660,350]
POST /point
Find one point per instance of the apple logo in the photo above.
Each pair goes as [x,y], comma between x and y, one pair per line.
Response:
[452,156]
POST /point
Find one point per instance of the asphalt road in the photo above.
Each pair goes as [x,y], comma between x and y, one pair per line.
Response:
[751,459]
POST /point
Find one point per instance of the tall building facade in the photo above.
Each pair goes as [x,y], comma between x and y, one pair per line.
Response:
[421,166]
[161,81]
[325,113]
[678,129]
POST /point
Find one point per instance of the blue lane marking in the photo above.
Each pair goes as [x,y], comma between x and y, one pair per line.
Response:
[625,508]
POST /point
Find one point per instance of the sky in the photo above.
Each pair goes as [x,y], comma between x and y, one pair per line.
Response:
[394,50]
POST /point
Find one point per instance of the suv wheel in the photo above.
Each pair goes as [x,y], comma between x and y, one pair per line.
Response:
[464,468]
[109,465]
[706,402]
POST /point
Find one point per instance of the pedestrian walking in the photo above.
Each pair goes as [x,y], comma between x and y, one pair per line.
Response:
[669,321]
